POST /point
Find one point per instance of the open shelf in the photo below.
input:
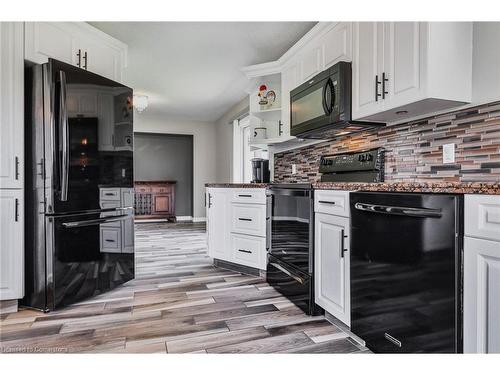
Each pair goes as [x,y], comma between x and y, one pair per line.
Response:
[268,114]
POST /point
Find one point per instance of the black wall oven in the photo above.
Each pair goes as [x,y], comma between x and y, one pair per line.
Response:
[406,273]
[291,249]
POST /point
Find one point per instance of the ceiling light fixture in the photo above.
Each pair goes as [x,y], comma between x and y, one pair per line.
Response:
[140,102]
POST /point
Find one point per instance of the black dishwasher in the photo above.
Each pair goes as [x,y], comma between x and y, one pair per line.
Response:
[406,271]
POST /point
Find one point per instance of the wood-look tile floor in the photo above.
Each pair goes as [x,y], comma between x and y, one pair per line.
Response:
[178,303]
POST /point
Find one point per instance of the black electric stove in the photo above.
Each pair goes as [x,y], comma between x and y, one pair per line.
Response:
[290,267]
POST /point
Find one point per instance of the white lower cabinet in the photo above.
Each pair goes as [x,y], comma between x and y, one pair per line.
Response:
[482,274]
[11,244]
[218,225]
[237,226]
[247,250]
[331,265]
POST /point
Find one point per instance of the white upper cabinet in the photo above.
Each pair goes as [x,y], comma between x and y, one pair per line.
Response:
[75,43]
[11,106]
[289,80]
[44,40]
[101,58]
[336,44]
[486,62]
[407,69]
[366,65]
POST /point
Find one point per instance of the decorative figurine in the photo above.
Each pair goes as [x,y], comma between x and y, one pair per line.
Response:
[267,98]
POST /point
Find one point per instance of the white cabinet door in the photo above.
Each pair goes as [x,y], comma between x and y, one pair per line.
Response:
[337,44]
[11,244]
[310,62]
[289,81]
[481,296]
[218,206]
[101,58]
[402,55]
[331,263]
[366,68]
[11,105]
[49,39]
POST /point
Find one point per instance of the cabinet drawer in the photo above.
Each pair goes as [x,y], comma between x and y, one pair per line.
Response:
[482,216]
[248,250]
[255,196]
[333,202]
[142,189]
[161,189]
[111,239]
[110,194]
[248,219]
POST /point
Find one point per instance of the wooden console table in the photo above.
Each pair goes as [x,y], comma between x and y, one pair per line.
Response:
[155,200]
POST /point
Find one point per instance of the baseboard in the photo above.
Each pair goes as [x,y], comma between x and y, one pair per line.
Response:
[239,268]
[8,306]
[199,219]
[184,218]
[139,221]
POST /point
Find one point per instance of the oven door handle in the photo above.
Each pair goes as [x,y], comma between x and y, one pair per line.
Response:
[86,223]
[401,211]
[284,270]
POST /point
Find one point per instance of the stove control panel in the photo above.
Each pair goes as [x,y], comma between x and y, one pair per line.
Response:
[353,161]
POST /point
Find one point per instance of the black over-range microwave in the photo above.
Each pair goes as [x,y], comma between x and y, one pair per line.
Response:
[321,107]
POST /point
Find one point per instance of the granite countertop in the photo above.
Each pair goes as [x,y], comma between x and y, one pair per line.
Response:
[237,185]
[492,188]
[416,187]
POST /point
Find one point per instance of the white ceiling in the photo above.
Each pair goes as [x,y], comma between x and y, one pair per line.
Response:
[191,70]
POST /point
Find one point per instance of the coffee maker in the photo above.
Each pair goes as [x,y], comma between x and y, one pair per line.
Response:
[260,170]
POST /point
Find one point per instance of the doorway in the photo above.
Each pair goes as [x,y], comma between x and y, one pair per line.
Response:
[167,157]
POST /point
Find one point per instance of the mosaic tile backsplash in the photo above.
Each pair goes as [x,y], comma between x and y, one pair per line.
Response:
[414,149]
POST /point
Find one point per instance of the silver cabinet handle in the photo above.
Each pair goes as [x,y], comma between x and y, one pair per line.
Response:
[86,223]
[327,202]
[109,240]
[209,200]
[244,219]
[245,195]
[64,138]
[245,251]
[401,211]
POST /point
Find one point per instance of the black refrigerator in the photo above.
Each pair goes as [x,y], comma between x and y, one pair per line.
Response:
[79,185]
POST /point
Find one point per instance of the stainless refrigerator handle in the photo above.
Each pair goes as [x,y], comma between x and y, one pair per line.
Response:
[85,223]
[284,270]
[401,211]
[64,139]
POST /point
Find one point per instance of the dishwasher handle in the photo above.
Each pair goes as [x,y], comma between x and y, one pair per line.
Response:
[400,211]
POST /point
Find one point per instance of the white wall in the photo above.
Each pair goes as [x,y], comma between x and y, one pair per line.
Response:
[224,140]
[204,146]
